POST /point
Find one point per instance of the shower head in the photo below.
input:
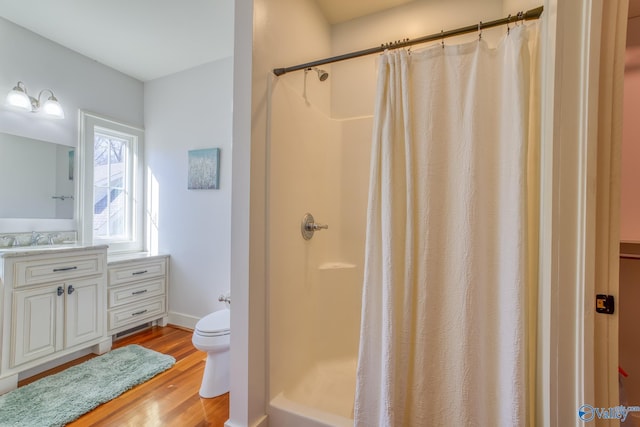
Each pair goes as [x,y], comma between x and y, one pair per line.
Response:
[322,74]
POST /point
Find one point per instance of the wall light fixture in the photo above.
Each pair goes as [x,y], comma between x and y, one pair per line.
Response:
[19,98]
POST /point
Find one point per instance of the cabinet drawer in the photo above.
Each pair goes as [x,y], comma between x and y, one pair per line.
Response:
[145,310]
[136,271]
[142,290]
[36,271]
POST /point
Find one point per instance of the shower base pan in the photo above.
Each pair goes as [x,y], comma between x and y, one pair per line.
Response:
[322,398]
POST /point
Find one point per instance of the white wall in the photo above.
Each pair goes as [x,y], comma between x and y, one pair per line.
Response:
[514,6]
[185,111]
[77,81]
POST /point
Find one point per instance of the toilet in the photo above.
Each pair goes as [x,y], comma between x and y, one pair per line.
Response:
[212,335]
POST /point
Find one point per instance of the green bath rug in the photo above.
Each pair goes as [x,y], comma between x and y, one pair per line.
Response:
[61,398]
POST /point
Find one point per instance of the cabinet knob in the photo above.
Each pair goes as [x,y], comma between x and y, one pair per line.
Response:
[70,289]
[60,290]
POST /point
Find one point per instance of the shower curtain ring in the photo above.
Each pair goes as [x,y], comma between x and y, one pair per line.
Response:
[508,22]
[480,30]
[442,38]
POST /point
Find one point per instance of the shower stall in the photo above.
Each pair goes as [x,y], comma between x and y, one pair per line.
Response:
[317,165]
[319,131]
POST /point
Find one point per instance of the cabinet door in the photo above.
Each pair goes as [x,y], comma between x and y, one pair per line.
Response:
[85,311]
[37,325]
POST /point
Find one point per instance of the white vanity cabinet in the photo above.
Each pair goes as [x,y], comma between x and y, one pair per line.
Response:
[137,291]
[54,304]
[55,317]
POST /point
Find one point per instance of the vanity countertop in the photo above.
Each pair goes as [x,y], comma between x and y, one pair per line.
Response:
[132,256]
[19,251]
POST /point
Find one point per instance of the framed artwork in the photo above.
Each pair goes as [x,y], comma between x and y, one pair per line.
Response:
[204,166]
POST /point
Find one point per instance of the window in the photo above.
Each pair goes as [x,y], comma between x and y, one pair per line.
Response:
[111,183]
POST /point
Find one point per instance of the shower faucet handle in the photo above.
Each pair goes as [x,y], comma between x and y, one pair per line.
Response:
[309,226]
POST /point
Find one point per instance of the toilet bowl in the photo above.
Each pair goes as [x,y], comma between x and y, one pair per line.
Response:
[213,336]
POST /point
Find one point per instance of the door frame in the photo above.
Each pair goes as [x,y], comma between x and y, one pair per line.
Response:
[577,349]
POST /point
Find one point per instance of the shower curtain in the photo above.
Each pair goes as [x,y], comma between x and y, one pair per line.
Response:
[450,232]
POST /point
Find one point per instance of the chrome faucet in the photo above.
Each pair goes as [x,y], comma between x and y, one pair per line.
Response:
[14,240]
[51,238]
[35,238]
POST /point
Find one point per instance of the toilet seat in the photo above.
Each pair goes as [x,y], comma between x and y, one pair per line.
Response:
[215,324]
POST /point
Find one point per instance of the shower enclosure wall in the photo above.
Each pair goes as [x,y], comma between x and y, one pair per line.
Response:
[317,165]
[318,151]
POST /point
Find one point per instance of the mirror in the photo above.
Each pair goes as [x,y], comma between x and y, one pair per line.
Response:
[36,178]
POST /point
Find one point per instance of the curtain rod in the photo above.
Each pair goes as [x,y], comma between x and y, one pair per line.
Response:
[520,16]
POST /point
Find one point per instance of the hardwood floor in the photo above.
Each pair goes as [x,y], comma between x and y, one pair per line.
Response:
[169,399]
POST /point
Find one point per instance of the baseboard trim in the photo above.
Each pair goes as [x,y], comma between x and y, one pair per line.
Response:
[262,422]
[183,320]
